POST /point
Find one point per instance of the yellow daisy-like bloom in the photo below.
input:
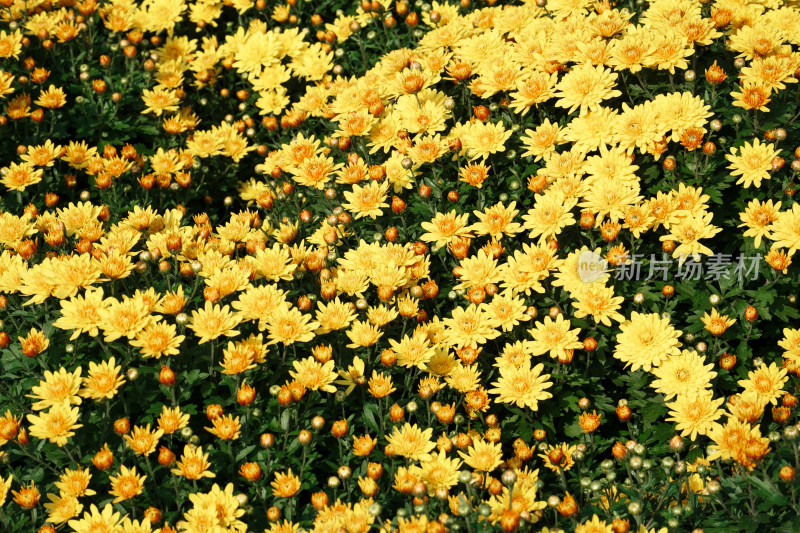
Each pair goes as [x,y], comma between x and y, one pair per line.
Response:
[438,472]
[157,340]
[413,351]
[160,100]
[717,324]
[123,318]
[445,229]
[427,149]
[213,321]
[638,127]
[193,464]
[696,413]
[412,442]
[468,327]
[172,420]
[483,456]
[688,232]
[5,486]
[752,162]
[380,385]
[126,485]
[363,334]
[61,508]
[258,303]
[333,316]
[368,200]
[28,496]
[94,521]
[285,484]
[747,406]
[757,218]
[314,171]
[595,525]
[274,263]
[224,503]
[497,221]
[585,87]
[288,325]
[543,140]
[52,98]
[569,272]
[730,440]
[482,139]
[75,483]
[766,381]
[599,302]
[646,340]
[103,381]
[43,155]
[313,375]
[506,311]
[683,374]
[522,386]
[477,271]
[549,215]
[752,96]
[142,440]
[57,388]
[56,425]
[18,177]
[786,230]
[284,526]
[225,427]
[791,343]
[464,378]
[135,526]
[559,457]
[554,337]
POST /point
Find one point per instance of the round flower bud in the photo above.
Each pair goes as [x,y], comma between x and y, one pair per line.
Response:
[635,508]
[267,440]
[509,477]
[701,347]
[713,299]
[344,472]
[333,482]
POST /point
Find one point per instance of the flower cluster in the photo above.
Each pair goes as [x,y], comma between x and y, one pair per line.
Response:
[272,267]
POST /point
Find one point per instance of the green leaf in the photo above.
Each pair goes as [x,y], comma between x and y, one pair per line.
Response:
[243,453]
[369,418]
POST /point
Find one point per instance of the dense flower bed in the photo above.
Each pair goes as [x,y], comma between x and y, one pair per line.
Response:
[431,267]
